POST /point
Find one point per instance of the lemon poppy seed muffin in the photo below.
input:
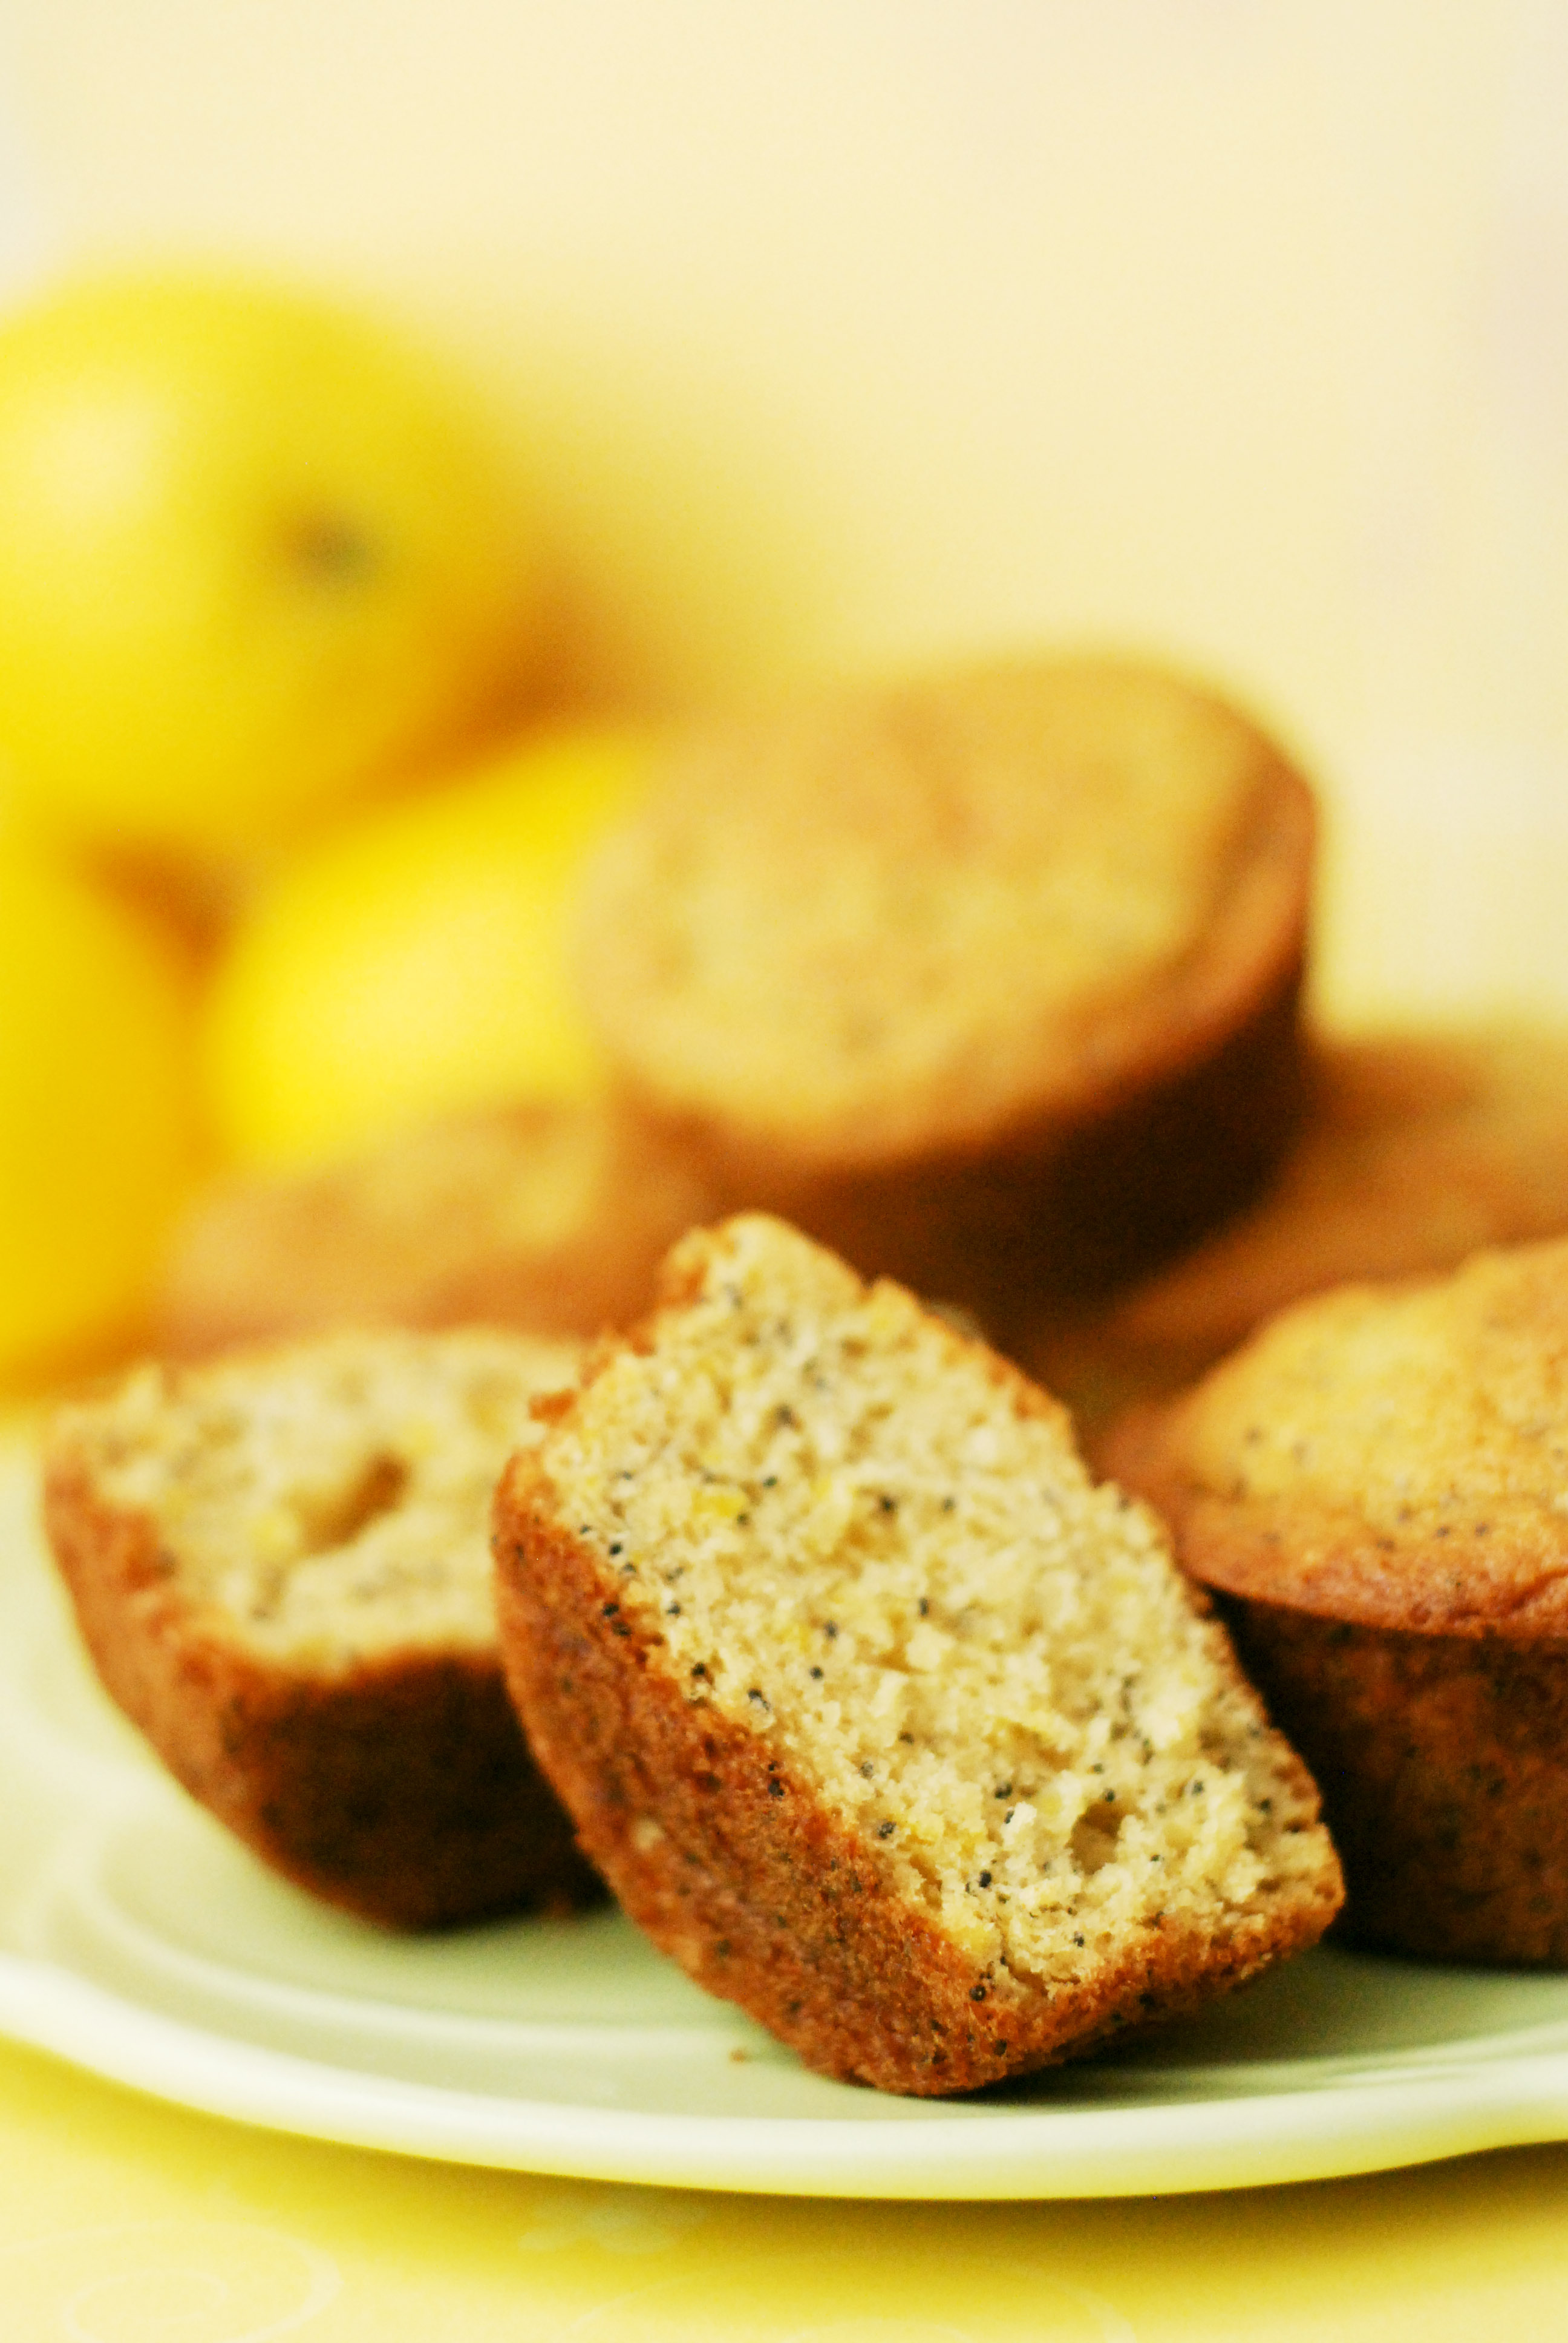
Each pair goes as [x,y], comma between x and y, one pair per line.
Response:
[877,1713]
[1377,1484]
[1416,1150]
[549,1216]
[280,1565]
[989,979]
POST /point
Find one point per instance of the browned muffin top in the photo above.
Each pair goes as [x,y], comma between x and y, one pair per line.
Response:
[547,1215]
[1393,1455]
[934,912]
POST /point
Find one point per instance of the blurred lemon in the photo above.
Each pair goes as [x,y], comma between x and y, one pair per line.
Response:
[96,1078]
[255,556]
[415,961]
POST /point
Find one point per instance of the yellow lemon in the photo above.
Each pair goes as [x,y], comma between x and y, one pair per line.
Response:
[417,959]
[96,1083]
[255,558]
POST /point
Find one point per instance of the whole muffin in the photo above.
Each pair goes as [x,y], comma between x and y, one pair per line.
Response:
[1378,1483]
[1416,1150]
[989,980]
[551,1216]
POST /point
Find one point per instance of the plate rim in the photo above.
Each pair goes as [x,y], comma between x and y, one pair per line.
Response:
[1177,2146]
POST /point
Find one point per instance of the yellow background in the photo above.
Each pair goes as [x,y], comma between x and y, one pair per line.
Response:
[851,331]
[125,2222]
[844,332]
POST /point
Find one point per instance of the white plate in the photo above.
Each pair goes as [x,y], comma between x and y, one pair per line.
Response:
[137,1940]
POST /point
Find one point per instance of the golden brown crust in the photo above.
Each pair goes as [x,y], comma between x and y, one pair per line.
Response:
[544,1216]
[400,1789]
[1395,1456]
[1417,1150]
[1379,1486]
[730,1863]
[1066,1155]
[1443,1766]
[1330,1561]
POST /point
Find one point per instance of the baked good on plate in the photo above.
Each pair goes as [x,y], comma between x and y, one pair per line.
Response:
[875,1713]
[552,1217]
[280,1565]
[1378,1484]
[989,979]
[1417,1150]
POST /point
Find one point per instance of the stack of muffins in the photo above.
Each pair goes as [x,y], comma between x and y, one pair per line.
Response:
[989,984]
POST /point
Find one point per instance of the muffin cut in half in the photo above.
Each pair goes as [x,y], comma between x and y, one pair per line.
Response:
[549,1216]
[280,1565]
[875,1713]
[988,981]
[1378,1484]
[1417,1150]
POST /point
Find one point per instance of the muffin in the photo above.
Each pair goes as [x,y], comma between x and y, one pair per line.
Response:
[1417,1150]
[280,1566]
[988,981]
[1378,1486]
[550,1217]
[875,1713]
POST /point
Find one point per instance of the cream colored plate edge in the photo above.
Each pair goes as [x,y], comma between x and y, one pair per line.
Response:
[137,1941]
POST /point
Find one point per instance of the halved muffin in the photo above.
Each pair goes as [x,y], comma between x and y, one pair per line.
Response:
[280,1565]
[875,1713]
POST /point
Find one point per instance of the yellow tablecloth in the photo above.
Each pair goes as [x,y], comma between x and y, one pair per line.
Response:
[123,2220]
